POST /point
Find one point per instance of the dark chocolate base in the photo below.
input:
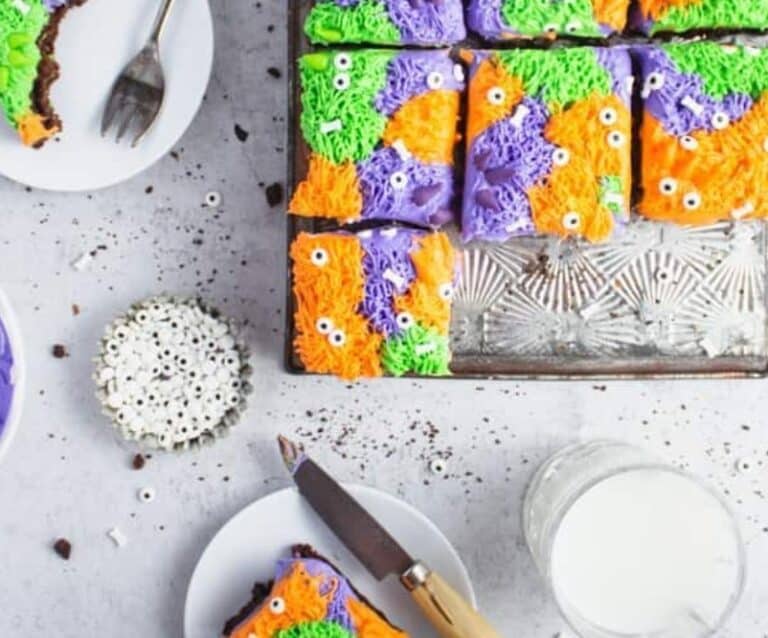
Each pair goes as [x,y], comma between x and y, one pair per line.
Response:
[48,70]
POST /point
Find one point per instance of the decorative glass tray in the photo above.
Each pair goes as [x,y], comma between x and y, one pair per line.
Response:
[659,300]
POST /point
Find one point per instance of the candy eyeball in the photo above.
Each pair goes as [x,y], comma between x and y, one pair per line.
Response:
[398,180]
[324,325]
[668,186]
[608,116]
[616,139]
[337,338]
[343,62]
[692,201]
[319,257]
[571,220]
[573,26]
[404,320]
[435,80]
[146,494]
[446,291]
[341,82]
[654,81]
[277,605]
[496,95]
[689,143]
[561,156]
[720,121]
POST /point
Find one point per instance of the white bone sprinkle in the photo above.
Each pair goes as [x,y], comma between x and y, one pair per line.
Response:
[331,127]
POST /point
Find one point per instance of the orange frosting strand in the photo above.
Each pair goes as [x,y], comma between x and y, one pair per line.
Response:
[369,624]
[575,187]
[435,263]
[33,131]
[426,124]
[611,12]
[303,603]
[330,190]
[655,9]
[727,171]
[332,291]
[491,74]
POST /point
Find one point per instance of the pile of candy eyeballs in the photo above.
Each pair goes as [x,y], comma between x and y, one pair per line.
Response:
[172,373]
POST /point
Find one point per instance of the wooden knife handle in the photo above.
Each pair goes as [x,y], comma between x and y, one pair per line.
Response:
[446,609]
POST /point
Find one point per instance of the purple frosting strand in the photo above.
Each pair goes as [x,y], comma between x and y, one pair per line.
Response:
[503,162]
[665,103]
[425,198]
[383,252]
[618,63]
[484,17]
[407,78]
[428,21]
[6,382]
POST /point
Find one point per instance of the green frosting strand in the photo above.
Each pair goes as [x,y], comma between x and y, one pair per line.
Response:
[536,17]
[315,629]
[745,14]
[357,125]
[420,350]
[560,77]
[19,56]
[724,71]
[366,22]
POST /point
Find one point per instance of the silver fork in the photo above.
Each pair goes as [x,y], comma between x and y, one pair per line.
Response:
[138,93]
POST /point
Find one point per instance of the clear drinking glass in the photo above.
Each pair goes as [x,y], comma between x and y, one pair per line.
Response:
[630,546]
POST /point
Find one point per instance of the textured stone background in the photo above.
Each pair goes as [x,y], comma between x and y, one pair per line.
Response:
[67,474]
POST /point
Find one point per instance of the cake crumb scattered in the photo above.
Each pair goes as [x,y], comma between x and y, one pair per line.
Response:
[241,133]
[60,351]
[63,548]
[274,194]
[138,462]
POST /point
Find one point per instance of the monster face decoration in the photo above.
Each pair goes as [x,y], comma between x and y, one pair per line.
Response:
[373,302]
[678,16]
[409,22]
[705,133]
[381,128]
[510,19]
[548,144]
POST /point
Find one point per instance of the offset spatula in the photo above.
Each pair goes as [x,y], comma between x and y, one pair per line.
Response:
[449,613]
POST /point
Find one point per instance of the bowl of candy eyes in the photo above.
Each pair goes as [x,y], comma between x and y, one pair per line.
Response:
[172,373]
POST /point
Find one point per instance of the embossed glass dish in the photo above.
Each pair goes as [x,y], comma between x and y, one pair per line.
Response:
[657,300]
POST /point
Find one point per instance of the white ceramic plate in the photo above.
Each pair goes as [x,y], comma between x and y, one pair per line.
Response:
[11,324]
[246,549]
[95,42]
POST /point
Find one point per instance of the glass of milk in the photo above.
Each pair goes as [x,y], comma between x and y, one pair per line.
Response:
[632,547]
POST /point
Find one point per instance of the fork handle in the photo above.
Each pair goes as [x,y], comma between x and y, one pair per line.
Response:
[161,21]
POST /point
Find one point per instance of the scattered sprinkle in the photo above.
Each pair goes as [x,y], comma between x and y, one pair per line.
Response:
[117,537]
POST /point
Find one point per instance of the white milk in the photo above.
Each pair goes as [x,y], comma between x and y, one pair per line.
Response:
[647,552]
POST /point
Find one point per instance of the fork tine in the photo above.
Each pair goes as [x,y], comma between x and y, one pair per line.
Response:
[148,120]
[115,104]
[129,118]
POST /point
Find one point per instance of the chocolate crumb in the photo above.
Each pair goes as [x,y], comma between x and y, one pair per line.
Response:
[241,133]
[60,351]
[75,309]
[275,72]
[138,462]
[149,189]
[63,548]
[274,194]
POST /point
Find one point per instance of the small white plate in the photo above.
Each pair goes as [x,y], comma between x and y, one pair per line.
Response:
[94,44]
[18,372]
[246,549]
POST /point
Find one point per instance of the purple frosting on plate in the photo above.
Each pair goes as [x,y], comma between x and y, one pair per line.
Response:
[405,189]
[503,162]
[408,76]
[6,382]
[428,21]
[388,272]
[666,103]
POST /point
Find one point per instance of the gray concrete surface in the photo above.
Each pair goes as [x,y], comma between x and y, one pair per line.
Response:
[68,475]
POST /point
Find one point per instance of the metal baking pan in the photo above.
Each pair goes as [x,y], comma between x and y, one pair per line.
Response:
[659,301]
